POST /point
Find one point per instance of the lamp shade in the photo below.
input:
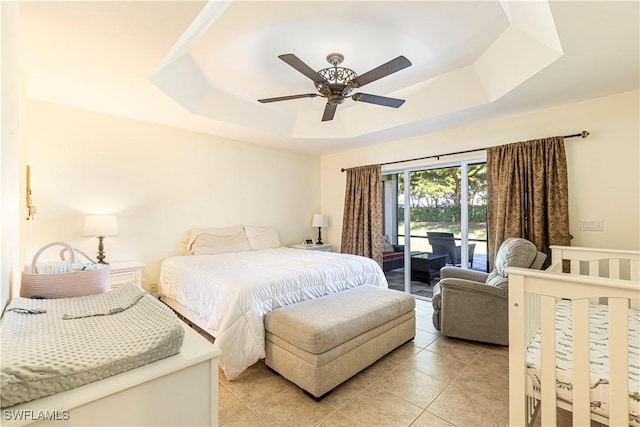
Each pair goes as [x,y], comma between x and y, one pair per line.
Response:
[320,220]
[100,225]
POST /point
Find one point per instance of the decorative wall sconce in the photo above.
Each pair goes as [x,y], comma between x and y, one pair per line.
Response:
[31,208]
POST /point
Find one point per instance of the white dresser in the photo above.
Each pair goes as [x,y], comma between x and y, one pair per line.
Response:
[178,390]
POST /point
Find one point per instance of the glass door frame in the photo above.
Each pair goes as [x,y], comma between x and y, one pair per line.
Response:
[464,209]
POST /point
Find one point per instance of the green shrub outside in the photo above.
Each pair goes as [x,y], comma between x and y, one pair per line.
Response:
[445,214]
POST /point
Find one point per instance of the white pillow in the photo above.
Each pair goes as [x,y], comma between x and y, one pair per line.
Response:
[262,237]
[210,241]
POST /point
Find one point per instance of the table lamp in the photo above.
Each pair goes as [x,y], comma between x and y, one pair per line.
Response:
[320,221]
[101,226]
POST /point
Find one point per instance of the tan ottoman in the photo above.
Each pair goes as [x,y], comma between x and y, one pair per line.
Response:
[320,343]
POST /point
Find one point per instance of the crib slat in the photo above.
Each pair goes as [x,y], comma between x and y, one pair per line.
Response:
[614,268]
[548,360]
[575,266]
[518,415]
[635,269]
[594,268]
[581,384]
[532,316]
[618,362]
[594,271]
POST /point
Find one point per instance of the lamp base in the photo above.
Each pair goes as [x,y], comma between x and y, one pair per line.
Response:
[319,242]
[101,255]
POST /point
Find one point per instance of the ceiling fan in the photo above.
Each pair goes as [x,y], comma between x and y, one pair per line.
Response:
[336,83]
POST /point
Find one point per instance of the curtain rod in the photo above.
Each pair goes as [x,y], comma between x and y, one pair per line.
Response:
[582,134]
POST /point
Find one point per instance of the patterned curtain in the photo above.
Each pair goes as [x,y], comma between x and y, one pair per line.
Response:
[528,194]
[362,223]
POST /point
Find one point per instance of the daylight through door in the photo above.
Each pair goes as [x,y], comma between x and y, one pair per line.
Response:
[434,217]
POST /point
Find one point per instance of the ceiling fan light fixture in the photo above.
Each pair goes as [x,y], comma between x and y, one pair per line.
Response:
[336,78]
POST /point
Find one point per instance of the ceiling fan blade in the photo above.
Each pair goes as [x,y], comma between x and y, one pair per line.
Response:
[297,63]
[286,98]
[378,100]
[329,112]
[382,71]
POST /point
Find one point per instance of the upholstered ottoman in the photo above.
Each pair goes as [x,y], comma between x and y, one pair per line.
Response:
[320,343]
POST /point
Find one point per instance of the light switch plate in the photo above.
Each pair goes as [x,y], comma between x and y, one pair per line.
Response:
[592,224]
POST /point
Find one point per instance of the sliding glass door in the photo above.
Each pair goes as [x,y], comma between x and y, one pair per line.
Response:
[436,216]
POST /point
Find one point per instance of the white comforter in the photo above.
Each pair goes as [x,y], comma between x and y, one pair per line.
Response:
[234,291]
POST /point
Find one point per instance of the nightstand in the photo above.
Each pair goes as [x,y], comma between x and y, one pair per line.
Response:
[326,248]
[126,271]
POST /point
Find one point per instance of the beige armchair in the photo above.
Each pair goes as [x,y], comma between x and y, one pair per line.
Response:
[473,305]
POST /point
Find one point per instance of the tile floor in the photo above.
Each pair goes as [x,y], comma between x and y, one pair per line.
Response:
[431,381]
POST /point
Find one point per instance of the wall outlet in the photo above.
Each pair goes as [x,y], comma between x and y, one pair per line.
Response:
[153,287]
[592,224]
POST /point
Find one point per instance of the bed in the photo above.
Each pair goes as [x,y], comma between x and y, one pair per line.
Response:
[227,294]
[574,338]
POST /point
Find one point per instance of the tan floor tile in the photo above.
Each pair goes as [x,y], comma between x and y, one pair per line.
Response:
[221,377]
[404,352]
[413,386]
[346,391]
[246,419]
[494,385]
[437,365]
[256,384]
[426,324]
[425,339]
[378,369]
[472,400]
[456,349]
[291,407]
[229,406]
[427,419]
[423,308]
[494,348]
[338,419]
[493,361]
[377,407]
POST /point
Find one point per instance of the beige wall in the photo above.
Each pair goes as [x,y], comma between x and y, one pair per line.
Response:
[159,181]
[604,177]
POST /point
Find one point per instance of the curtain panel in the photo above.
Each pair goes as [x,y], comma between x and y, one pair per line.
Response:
[362,219]
[528,194]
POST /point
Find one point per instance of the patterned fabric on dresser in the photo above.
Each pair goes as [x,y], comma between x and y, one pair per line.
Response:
[599,367]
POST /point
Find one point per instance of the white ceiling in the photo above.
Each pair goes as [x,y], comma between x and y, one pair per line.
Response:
[203,65]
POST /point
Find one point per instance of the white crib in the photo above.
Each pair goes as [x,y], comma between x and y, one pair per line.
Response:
[609,278]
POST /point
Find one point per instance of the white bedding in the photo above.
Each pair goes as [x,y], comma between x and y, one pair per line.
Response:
[234,291]
[599,366]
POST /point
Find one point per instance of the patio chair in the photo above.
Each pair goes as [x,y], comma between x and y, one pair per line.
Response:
[445,244]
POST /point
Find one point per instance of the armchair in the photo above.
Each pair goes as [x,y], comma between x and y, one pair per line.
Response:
[473,305]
